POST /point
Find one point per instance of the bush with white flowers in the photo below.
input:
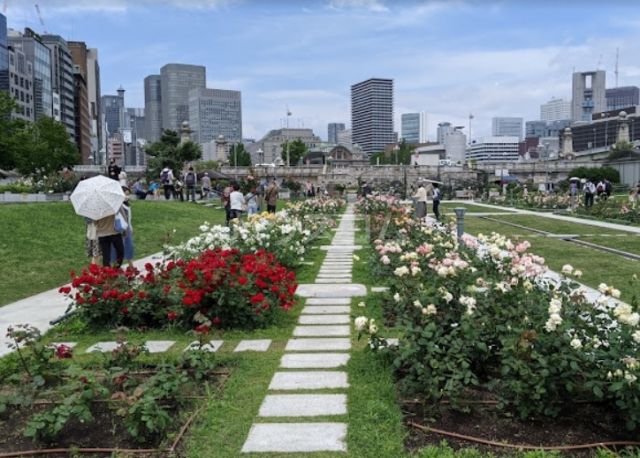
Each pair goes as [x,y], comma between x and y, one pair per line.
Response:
[481,315]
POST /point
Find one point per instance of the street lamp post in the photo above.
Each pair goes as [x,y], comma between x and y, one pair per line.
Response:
[546,165]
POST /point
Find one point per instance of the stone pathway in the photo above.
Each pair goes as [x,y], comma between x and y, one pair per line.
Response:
[314,360]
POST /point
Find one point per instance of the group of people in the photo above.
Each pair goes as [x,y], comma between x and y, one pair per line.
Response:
[264,196]
[602,190]
[421,198]
[176,188]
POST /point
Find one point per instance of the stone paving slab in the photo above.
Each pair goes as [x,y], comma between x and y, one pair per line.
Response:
[329,290]
[321,331]
[309,380]
[253,345]
[103,347]
[324,319]
[338,248]
[325,309]
[326,344]
[314,360]
[379,289]
[328,301]
[296,437]
[213,346]
[324,281]
[158,346]
[334,275]
[303,405]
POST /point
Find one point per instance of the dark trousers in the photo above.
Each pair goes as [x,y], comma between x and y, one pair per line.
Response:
[588,199]
[271,208]
[227,213]
[168,190]
[106,243]
[436,209]
[191,191]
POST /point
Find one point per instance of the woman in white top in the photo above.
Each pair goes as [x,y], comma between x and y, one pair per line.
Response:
[122,178]
[421,201]
[236,202]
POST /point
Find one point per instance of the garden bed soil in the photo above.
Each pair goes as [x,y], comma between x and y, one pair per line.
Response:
[586,424]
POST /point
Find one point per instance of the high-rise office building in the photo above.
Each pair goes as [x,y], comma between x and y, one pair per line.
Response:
[87,61]
[21,84]
[372,115]
[39,55]
[152,108]
[4,55]
[555,110]
[542,129]
[82,117]
[62,80]
[214,112]
[444,129]
[176,80]
[333,128]
[344,138]
[589,95]
[414,127]
[507,127]
[114,113]
[495,149]
[622,97]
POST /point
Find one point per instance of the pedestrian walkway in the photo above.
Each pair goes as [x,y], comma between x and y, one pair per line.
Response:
[571,219]
[314,361]
[40,309]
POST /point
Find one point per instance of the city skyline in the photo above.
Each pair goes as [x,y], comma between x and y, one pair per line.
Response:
[310,53]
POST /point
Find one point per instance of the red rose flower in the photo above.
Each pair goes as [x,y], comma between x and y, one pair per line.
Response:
[242,280]
[142,294]
[172,315]
[256,299]
[124,310]
[63,352]
[202,329]
[216,320]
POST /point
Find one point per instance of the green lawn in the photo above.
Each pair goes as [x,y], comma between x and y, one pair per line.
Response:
[597,266]
[42,242]
[556,226]
[447,207]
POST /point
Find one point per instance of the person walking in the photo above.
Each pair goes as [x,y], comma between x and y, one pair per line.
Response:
[127,235]
[420,201]
[260,190]
[589,191]
[191,181]
[252,202]
[206,186]
[226,201]
[236,202]
[271,196]
[91,243]
[166,179]
[113,171]
[436,200]
[109,237]
[122,178]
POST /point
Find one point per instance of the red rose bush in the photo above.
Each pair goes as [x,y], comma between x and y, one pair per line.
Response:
[223,287]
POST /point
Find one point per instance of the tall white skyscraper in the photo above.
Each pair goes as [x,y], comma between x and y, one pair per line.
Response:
[589,94]
[555,110]
[507,127]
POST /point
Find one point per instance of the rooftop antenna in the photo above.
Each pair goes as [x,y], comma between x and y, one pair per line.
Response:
[617,57]
[288,114]
[599,62]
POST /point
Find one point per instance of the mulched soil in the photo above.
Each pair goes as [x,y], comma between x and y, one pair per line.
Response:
[586,424]
[107,431]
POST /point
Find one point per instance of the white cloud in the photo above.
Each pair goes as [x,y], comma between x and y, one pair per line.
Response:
[375,6]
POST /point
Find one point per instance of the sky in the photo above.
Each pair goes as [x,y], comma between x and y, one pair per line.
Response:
[448,58]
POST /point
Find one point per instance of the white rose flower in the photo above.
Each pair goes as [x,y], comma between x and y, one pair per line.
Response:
[361,304]
[373,329]
[615,293]
[417,303]
[360,323]
[431,309]
[567,269]
[576,343]
[636,336]
[577,273]
[396,297]
[603,288]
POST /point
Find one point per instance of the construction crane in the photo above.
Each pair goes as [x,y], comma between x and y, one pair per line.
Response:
[40,17]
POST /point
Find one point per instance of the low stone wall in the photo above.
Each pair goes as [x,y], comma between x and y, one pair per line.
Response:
[8,197]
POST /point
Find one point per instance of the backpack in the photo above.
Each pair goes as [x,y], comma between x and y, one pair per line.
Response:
[190,179]
[600,187]
[164,176]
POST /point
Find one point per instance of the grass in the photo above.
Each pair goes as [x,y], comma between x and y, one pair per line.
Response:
[629,243]
[556,226]
[42,242]
[597,266]
[447,207]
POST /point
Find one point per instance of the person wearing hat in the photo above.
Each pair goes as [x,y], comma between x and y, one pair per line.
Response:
[205,186]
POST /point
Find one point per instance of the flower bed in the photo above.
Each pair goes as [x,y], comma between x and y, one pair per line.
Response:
[479,321]
[122,401]
[220,287]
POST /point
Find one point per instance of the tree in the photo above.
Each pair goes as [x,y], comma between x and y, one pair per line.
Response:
[621,150]
[296,150]
[45,148]
[9,128]
[401,156]
[595,174]
[239,153]
[203,166]
[168,152]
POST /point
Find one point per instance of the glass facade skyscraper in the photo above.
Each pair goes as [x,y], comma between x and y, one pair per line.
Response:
[152,108]
[4,55]
[372,115]
[333,129]
[176,80]
[214,112]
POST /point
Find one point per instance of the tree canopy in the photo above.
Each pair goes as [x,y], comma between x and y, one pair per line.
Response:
[296,150]
[403,156]
[596,174]
[168,152]
[239,153]
[34,149]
